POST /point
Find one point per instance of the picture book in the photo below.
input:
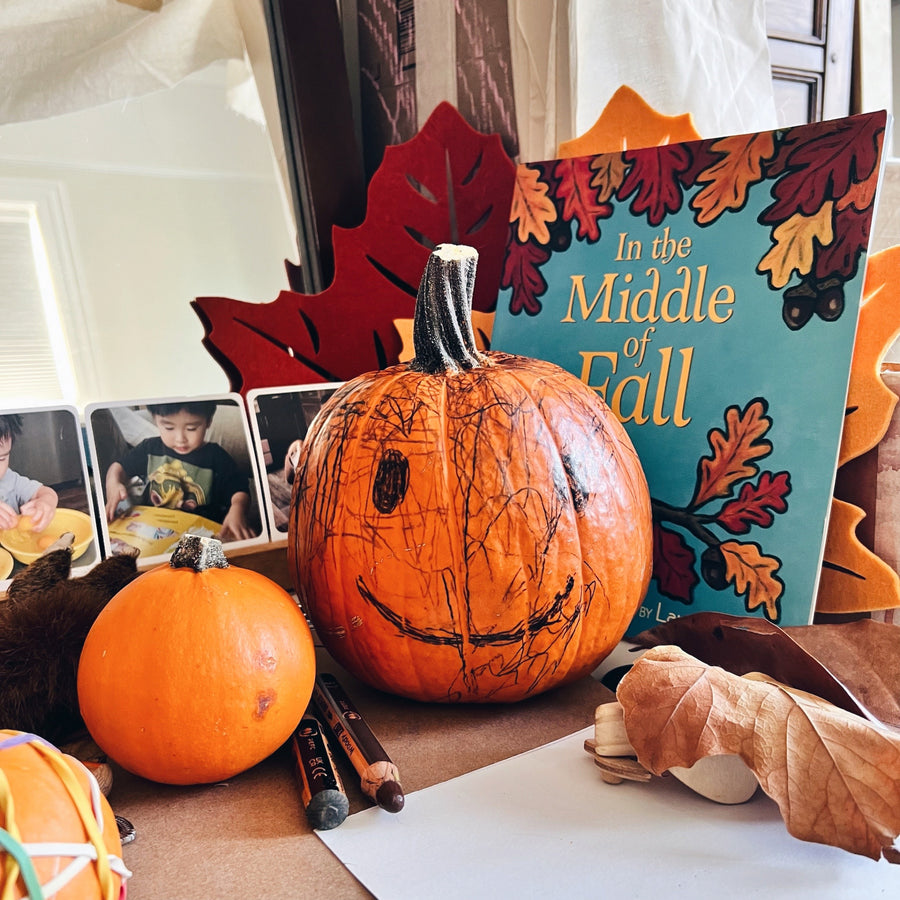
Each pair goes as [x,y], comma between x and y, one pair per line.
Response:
[709,291]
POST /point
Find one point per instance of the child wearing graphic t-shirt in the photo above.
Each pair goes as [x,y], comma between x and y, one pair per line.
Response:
[20,495]
[182,470]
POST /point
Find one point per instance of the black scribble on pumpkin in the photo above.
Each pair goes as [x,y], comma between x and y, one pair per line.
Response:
[391,481]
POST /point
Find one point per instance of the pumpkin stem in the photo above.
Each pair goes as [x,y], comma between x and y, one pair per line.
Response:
[198,553]
[442,329]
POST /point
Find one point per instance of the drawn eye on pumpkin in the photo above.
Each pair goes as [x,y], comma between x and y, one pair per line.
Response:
[391,481]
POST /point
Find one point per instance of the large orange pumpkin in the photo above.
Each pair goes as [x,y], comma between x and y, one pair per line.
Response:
[58,835]
[196,670]
[469,526]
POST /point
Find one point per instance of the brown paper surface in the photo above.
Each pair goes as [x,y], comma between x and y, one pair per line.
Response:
[250,836]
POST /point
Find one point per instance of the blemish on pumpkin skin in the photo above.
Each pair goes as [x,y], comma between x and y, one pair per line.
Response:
[266,661]
[264,699]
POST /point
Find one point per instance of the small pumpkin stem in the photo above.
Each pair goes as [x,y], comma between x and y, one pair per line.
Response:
[442,329]
[198,553]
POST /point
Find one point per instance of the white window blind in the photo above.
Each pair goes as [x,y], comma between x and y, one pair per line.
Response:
[30,368]
[40,306]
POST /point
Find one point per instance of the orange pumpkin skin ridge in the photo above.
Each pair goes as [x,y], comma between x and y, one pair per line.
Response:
[479,536]
[44,813]
[193,677]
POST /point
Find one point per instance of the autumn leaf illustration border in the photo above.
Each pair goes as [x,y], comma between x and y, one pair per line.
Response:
[746,497]
[822,180]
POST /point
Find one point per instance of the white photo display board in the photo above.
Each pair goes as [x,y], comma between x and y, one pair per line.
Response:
[165,467]
[44,489]
[280,418]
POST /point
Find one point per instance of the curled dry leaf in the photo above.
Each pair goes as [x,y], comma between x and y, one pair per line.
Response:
[854,665]
[834,775]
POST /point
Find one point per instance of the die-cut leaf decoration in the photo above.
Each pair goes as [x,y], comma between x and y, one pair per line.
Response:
[834,775]
[449,183]
[628,121]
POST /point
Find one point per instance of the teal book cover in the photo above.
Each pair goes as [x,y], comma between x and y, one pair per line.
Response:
[709,291]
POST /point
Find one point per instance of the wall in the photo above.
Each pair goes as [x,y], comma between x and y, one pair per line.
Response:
[167,197]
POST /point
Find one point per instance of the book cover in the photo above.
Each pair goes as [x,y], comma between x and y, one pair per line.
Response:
[709,292]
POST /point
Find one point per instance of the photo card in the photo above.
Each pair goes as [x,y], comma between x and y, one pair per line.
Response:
[44,489]
[171,466]
[279,420]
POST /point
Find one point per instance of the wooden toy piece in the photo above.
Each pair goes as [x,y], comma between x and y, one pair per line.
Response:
[722,779]
[629,122]
[616,769]
[610,738]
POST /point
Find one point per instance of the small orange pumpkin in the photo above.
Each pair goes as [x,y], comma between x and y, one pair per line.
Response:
[196,670]
[469,526]
[58,835]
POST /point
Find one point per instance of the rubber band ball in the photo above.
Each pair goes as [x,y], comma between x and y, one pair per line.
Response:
[58,834]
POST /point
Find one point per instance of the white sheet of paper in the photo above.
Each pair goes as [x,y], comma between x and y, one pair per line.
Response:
[544,824]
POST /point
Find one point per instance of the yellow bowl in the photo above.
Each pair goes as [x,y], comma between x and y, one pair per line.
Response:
[26,546]
[6,564]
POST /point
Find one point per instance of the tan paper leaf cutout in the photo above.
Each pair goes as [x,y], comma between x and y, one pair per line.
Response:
[834,775]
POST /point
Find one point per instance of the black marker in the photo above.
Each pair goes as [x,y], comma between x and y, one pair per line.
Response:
[321,789]
[379,777]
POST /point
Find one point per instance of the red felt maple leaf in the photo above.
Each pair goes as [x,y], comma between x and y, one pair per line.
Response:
[449,184]
[673,564]
[755,503]
[654,178]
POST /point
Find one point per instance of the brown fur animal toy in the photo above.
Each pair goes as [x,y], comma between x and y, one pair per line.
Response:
[43,625]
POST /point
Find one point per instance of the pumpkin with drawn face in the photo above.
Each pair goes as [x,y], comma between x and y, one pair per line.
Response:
[470,526]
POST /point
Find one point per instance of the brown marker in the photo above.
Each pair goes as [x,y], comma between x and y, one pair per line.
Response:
[321,789]
[379,777]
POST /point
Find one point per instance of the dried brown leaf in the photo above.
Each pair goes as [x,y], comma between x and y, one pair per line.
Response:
[864,655]
[742,644]
[834,775]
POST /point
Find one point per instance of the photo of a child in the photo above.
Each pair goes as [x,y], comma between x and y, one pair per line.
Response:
[174,465]
[280,418]
[19,494]
[45,500]
[181,469]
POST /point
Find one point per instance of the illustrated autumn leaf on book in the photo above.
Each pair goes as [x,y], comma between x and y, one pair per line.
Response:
[730,467]
[822,193]
[449,183]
